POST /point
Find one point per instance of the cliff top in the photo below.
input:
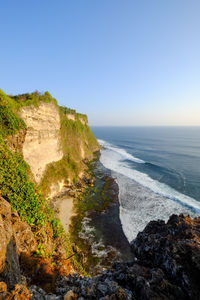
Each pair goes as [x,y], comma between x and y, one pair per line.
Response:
[36,98]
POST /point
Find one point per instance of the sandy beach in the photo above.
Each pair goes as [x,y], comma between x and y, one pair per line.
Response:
[66,211]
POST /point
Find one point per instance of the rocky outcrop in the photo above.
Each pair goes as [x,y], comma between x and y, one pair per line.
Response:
[16,238]
[20,292]
[71,117]
[166,267]
[172,253]
[42,141]
[83,121]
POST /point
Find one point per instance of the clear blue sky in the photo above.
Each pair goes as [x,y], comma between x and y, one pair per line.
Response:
[122,62]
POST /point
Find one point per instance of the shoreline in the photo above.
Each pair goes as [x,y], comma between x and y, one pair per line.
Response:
[89,212]
[96,228]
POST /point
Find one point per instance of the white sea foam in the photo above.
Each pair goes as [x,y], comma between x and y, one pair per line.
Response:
[123,153]
[142,198]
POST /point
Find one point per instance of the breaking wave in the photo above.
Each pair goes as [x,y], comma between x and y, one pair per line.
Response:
[142,198]
[121,152]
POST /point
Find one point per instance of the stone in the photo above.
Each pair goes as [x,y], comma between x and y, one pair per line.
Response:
[16,237]
[3,287]
[103,288]
[20,292]
[70,295]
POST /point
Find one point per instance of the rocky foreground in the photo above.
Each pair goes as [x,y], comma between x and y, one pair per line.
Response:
[166,266]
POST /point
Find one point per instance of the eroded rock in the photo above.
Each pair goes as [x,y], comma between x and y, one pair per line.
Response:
[16,237]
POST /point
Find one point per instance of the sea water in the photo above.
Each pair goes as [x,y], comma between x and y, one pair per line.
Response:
[157,170]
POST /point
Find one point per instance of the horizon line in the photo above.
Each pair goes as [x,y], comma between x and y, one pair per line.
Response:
[144,125]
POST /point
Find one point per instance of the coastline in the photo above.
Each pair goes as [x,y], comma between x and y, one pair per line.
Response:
[89,211]
[96,229]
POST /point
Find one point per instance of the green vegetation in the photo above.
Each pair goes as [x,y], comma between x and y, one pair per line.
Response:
[76,256]
[58,230]
[41,250]
[63,169]
[10,122]
[17,188]
[76,138]
[15,185]
[65,110]
[77,142]
[68,111]
[34,98]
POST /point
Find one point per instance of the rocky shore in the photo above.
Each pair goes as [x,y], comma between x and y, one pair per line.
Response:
[166,265]
[95,228]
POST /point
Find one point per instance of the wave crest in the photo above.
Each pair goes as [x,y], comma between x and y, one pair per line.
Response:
[124,154]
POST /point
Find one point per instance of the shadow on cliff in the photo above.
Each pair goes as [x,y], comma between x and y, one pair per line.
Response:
[42,272]
[11,273]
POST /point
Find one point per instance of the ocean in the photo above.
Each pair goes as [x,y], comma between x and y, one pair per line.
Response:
[157,170]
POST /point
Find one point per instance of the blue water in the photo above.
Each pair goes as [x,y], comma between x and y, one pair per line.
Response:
[157,170]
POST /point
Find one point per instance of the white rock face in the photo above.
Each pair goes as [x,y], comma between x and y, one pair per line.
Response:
[83,121]
[71,117]
[42,142]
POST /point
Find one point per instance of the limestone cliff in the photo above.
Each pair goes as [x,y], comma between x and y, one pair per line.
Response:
[40,147]
[42,142]
[55,143]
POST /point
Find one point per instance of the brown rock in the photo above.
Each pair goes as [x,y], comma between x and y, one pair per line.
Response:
[70,295]
[3,287]
[64,267]
[19,293]
[5,230]
[16,237]
[24,238]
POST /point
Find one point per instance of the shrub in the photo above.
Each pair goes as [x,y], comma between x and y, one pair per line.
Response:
[17,188]
[10,122]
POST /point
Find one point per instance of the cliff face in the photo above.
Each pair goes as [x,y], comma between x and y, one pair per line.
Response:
[16,238]
[56,142]
[42,142]
[37,139]
[77,144]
